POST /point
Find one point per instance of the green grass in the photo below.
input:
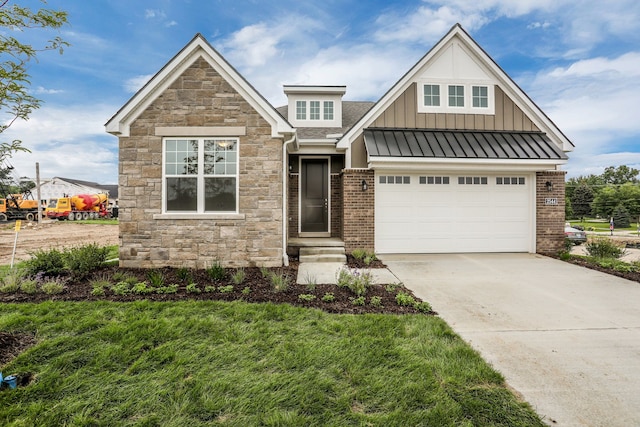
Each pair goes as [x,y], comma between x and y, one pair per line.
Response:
[603,225]
[202,363]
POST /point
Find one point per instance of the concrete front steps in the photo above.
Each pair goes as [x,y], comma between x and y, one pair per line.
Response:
[323,254]
[317,249]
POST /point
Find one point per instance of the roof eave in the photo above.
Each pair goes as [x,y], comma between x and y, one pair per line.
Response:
[463,165]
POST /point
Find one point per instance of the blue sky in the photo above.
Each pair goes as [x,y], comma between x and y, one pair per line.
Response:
[578,60]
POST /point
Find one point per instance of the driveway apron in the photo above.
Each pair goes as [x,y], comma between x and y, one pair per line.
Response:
[566,338]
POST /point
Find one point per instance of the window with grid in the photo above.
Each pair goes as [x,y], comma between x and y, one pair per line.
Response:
[314,110]
[456,96]
[432,95]
[480,95]
[301,110]
[328,110]
[200,175]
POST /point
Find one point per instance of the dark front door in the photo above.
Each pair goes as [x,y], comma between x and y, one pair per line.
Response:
[314,197]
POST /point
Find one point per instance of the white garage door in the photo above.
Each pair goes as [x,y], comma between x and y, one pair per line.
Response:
[446,213]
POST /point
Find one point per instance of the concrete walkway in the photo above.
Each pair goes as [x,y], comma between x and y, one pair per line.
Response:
[565,337]
[326,273]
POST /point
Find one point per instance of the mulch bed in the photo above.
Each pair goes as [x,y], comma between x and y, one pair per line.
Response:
[261,290]
[12,344]
[633,276]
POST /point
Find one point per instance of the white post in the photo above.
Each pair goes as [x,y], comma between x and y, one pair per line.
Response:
[38,192]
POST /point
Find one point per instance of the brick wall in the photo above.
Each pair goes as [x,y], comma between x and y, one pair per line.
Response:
[293,209]
[550,218]
[200,97]
[336,205]
[358,209]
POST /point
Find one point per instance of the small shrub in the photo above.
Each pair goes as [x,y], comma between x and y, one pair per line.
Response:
[306,297]
[358,301]
[246,290]
[375,301]
[238,276]
[192,288]
[12,280]
[184,274]
[423,307]
[405,299]
[156,278]
[392,287]
[48,262]
[121,288]
[568,244]
[100,281]
[310,282]
[97,291]
[169,289]
[225,289]
[83,260]
[141,288]
[29,286]
[53,286]
[359,254]
[279,282]
[216,271]
[265,272]
[209,289]
[369,259]
[353,279]
[328,297]
[604,248]
[121,276]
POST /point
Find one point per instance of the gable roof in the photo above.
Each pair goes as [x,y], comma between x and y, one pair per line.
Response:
[112,189]
[120,123]
[519,97]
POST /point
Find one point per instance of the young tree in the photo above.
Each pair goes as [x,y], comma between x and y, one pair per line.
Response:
[15,100]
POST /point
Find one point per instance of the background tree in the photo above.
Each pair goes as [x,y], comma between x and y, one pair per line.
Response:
[15,56]
[620,175]
[605,201]
[582,200]
[620,216]
[568,209]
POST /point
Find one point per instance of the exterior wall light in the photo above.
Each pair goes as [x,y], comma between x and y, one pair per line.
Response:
[364,185]
[549,186]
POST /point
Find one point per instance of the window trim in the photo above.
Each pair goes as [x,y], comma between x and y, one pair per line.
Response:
[200,211]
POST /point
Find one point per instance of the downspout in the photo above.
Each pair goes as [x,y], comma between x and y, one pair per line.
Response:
[285,199]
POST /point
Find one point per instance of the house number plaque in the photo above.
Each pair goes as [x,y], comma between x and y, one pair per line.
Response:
[552,201]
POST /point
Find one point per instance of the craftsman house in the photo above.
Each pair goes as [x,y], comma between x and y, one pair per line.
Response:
[454,157]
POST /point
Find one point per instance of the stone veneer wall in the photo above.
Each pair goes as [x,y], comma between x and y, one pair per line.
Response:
[200,97]
[550,219]
[358,210]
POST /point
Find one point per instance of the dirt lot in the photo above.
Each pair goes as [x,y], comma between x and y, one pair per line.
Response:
[54,234]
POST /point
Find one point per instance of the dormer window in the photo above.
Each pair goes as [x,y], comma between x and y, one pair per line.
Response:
[455,97]
[315,106]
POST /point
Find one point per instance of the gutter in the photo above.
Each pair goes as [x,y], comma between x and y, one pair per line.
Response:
[285,218]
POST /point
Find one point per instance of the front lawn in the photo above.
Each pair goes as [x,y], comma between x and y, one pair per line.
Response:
[192,363]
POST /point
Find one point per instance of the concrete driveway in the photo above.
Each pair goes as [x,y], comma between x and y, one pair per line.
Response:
[565,337]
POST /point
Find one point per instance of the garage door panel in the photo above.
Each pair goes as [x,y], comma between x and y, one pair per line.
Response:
[421,218]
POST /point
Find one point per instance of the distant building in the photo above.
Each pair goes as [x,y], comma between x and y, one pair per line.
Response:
[59,187]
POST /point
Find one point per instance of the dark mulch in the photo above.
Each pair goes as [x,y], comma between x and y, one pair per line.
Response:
[633,276]
[261,291]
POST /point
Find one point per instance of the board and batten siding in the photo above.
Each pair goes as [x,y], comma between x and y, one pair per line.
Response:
[403,114]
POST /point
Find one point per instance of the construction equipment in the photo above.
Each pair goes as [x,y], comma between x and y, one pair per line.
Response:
[18,206]
[80,206]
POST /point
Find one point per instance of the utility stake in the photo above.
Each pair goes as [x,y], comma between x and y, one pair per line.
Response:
[15,241]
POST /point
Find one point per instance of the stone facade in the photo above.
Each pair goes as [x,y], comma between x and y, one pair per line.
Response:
[358,227]
[200,97]
[550,217]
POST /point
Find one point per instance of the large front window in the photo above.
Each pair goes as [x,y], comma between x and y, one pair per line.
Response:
[201,175]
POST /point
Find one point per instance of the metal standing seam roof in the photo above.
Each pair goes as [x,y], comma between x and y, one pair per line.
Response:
[459,144]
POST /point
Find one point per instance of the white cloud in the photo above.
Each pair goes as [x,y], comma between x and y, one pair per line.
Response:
[154,13]
[425,25]
[42,90]
[134,84]
[67,141]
